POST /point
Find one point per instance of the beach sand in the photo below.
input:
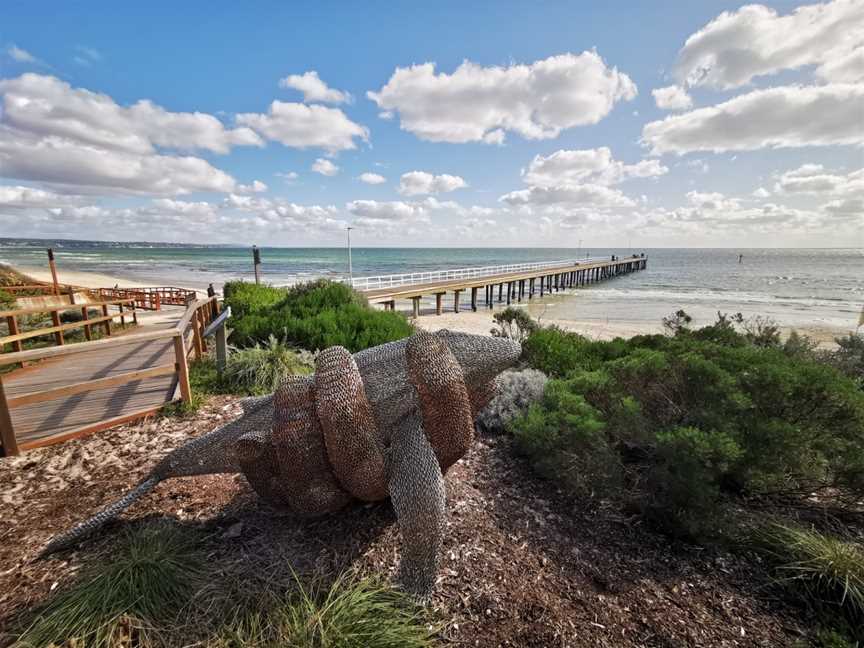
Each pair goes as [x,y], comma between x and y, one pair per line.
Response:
[466,320]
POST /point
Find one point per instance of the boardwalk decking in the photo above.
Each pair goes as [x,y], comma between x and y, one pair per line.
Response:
[67,414]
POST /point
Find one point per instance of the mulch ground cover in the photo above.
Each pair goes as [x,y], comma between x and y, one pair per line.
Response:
[522,565]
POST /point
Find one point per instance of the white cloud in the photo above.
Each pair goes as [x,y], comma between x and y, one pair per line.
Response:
[390,215]
[420,182]
[846,207]
[672,98]
[181,207]
[49,107]
[313,88]
[256,187]
[814,179]
[289,176]
[478,104]
[761,192]
[594,166]
[300,126]
[755,41]
[325,167]
[26,197]
[372,178]
[86,56]
[580,195]
[20,55]
[785,116]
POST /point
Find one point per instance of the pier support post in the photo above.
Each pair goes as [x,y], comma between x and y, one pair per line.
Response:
[500,292]
[456,300]
[439,297]
[416,306]
[474,299]
[530,288]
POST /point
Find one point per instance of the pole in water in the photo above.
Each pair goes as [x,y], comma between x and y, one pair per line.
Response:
[256,260]
[740,258]
[350,268]
[53,267]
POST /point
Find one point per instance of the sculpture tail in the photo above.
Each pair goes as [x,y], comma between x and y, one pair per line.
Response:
[84,529]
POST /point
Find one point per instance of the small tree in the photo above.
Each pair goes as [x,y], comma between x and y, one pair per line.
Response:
[514,323]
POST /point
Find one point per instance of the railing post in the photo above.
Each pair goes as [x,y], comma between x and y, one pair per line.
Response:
[221,349]
[196,335]
[12,322]
[7,432]
[182,368]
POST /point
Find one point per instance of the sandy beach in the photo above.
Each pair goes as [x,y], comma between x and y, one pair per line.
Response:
[479,322]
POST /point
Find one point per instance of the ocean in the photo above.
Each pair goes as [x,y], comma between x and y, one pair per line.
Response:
[796,287]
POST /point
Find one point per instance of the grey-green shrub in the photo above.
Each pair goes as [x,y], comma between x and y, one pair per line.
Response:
[515,391]
[262,368]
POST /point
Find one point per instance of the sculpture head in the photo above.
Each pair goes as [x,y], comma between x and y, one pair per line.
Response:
[481,357]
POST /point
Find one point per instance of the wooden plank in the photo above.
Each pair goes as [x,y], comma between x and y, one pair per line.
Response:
[182,368]
[68,307]
[7,432]
[90,429]
[79,347]
[90,385]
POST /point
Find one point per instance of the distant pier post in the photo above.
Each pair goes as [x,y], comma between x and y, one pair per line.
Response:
[53,267]
[256,261]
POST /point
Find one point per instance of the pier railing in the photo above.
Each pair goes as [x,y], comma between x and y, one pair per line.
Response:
[409,279]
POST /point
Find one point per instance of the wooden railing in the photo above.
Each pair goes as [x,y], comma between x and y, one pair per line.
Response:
[15,337]
[150,298]
[200,319]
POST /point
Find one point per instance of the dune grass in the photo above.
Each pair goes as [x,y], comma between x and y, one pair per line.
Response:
[823,571]
[122,601]
[351,612]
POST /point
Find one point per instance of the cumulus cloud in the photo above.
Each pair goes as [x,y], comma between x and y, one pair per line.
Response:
[846,207]
[580,195]
[672,98]
[314,89]
[300,126]
[755,41]
[256,187]
[480,104]
[420,182]
[325,167]
[814,179]
[372,178]
[390,215]
[596,166]
[288,176]
[19,197]
[761,192]
[778,117]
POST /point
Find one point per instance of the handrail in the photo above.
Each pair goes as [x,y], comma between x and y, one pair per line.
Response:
[63,307]
[407,279]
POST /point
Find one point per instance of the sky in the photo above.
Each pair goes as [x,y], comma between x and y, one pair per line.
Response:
[542,124]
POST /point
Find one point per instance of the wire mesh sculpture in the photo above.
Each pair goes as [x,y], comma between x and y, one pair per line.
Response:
[387,421]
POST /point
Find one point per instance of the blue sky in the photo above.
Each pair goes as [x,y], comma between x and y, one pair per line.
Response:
[766,99]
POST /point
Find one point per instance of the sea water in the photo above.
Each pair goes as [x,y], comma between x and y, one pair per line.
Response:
[796,287]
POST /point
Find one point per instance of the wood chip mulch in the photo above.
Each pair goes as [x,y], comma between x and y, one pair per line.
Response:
[522,566]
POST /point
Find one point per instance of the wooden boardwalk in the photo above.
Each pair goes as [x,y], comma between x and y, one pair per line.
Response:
[65,415]
[79,388]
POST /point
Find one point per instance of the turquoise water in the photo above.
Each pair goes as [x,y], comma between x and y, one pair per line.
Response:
[795,286]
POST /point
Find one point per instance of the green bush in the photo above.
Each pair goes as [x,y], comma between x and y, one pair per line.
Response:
[7,300]
[679,425]
[311,316]
[514,323]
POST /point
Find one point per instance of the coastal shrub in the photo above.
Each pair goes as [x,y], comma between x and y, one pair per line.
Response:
[311,316]
[825,572]
[680,425]
[514,323]
[515,391]
[260,369]
[7,300]
[849,357]
[352,612]
[121,599]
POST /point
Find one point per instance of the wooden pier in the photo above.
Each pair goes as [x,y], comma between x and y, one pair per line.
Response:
[512,283]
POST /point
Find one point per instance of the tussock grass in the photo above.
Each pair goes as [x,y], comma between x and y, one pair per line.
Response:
[260,369]
[352,612]
[821,569]
[119,602]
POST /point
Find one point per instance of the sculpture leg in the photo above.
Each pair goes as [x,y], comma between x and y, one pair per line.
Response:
[417,492]
[444,402]
[306,481]
[354,445]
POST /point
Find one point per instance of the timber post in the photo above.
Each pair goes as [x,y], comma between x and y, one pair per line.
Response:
[7,432]
[182,368]
[53,267]
[439,298]
[456,300]
[416,306]
[256,262]
[474,299]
